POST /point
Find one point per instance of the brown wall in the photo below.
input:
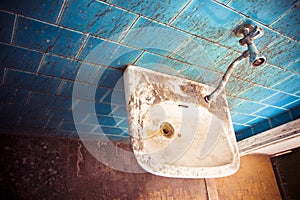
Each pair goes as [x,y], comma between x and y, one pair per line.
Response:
[254,180]
[34,167]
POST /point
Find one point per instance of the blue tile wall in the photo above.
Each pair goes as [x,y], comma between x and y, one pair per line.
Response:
[261,126]
[295,67]
[243,134]
[47,10]
[289,24]
[265,11]
[19,58]
[160,64]
[289,85]
[215,21]
[45,45]
[284,99]
[256,93]
[269,111]
[47,38]
[32,82]
[12,95]
[107,53]
[159,10]
[96,18]
[280,119]
[6,24]
[154,37]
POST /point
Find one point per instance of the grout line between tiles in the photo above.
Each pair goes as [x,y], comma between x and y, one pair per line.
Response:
[129,29]
[281,16]
[184,7]
[61,11]
[28,98]
[82,46]
[14,29]
[41,62]
[4,76]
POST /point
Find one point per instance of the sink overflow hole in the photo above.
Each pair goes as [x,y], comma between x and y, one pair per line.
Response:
[180,105]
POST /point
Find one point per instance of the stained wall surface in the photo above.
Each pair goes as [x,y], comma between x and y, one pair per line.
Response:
[38,167]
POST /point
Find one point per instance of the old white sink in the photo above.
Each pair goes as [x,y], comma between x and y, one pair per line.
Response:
[174,132]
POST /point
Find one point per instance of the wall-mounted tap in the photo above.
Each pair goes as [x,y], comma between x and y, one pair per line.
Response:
[248,33]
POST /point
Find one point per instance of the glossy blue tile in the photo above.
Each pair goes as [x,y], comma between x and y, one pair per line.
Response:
[289,24]
[256,93]
[280,119]
[61,103]
[241,118]
[295,112]
[103,120]
[233,102]
[32,82]
[47,10]
[47,38]
[35,112]
[120,111]
[207,19]
[267,75]
[247,107]
[108,77]
[199,74]
[6,26]
[11,95]
[115,97]
[84,91]
[18,58]
[107,53]
[40,99]
[261,127]
[292,104]
[269,111]
[52,124]
[59,115]
[280,99]
[154,37]
[295,67]
[159,10]
[235,86]
[102,108]
[111,130]
[124,124]
[290,85]
[256,120]
[160,64]
[243,134]
[84,106]
[223,1]
[282,52]
[97,18]
[68,69]
[200,52]
[239,127]
[262,11]
[56,66]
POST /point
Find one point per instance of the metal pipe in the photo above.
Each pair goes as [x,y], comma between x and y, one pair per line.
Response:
[225,77]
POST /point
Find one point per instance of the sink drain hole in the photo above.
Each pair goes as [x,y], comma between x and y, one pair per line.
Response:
[167,130]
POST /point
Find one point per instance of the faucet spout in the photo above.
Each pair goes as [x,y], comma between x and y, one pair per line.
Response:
[249,34]
[225,78]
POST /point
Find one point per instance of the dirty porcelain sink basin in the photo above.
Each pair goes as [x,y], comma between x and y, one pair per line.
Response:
[174,132]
